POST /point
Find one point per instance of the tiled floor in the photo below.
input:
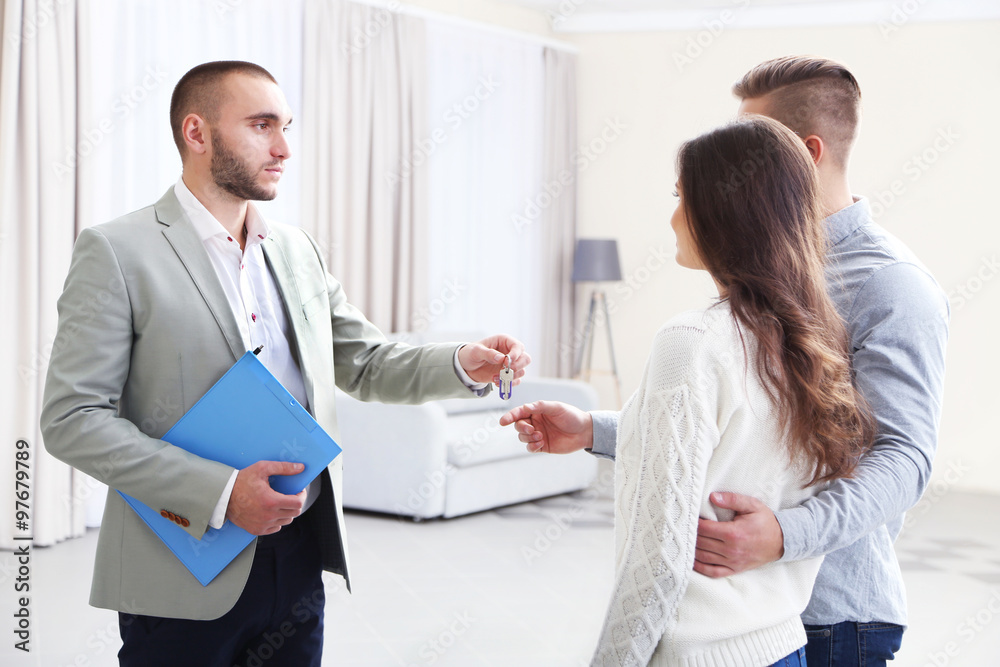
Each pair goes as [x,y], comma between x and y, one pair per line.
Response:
[524,586]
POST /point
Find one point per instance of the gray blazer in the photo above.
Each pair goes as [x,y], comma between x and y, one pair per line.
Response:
[144,331]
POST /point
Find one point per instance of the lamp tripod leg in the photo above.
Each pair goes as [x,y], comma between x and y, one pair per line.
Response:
[611,351]
[587,348]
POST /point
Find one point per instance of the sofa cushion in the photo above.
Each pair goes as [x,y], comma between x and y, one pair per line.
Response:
[477,437]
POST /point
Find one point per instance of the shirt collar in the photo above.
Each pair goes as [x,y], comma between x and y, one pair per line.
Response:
[844,222]
[206,224]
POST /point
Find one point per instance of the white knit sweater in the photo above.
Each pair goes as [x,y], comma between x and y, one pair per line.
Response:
[699,422]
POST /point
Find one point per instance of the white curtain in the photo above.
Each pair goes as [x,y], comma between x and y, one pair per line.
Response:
[38,133]
[559,218]
[134,53]
[485,168]
[364,115]
[84,99]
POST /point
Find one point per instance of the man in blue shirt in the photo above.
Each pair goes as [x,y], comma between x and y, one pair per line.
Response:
[897,320]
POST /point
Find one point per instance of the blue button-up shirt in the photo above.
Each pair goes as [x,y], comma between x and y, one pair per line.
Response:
[897,320]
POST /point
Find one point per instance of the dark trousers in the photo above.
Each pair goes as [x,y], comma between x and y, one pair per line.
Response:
[850,644]
[277,622]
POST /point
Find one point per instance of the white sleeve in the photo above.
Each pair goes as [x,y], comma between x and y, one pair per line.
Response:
[660,502]
[221,507]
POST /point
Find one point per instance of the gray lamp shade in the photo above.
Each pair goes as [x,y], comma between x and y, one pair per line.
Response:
[596,260]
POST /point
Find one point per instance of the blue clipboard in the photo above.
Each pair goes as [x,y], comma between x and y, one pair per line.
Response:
[246,417]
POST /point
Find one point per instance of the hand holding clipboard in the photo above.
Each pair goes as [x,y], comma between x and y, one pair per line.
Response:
[217,427]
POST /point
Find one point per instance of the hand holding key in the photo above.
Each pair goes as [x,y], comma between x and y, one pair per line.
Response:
[485,361]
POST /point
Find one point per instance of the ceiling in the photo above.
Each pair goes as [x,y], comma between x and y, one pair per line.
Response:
[639,15]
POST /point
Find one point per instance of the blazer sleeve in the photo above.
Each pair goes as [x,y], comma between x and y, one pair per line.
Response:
[371,368]
[87,372]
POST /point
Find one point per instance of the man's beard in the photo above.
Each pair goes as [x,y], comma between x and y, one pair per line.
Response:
[233,175]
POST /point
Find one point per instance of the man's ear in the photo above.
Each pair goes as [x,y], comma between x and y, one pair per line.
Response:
[196,133]
[816,147]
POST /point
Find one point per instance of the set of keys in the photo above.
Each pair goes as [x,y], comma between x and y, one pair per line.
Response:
[506,380]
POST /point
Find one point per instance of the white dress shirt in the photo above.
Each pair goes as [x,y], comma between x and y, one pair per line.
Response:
[256,303]
[259,310]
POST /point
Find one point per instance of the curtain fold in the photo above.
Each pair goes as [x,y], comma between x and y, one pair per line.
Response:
[560,142]
[364,109]
[38,144]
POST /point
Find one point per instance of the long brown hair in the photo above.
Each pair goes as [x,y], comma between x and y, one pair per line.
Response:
[751,197]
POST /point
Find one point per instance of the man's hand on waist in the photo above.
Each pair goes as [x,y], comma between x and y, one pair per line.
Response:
[753,538]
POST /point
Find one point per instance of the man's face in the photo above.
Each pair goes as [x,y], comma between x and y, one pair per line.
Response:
[249,147]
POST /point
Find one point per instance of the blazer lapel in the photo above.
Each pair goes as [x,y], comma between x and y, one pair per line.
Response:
[287,285]
[181,235]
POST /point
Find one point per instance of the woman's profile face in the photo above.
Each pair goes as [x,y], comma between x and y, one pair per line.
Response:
[687,252]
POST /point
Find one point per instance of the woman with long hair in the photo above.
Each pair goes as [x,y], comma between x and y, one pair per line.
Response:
[752,394]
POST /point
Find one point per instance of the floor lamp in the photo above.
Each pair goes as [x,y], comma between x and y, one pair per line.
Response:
[596,261]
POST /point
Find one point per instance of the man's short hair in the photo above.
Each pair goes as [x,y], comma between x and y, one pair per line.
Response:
[200,91]
[809,96]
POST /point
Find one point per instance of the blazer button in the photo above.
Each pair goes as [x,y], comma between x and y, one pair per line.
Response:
[185,522]
[165,514]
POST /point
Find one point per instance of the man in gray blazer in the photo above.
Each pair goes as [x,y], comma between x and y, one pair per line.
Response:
[157,306]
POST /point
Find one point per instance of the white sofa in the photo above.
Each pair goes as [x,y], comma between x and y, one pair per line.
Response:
[449,458]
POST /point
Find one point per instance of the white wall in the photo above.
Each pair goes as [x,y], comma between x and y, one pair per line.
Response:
[917,83]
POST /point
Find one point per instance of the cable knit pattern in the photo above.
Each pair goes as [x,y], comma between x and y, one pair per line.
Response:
[699,423]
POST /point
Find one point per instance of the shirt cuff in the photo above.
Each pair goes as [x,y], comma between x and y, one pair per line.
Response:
[219,515]
[605,425]
[796,525]
[478,388]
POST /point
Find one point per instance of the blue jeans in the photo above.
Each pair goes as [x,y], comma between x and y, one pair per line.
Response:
[851,644]
[797,659]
